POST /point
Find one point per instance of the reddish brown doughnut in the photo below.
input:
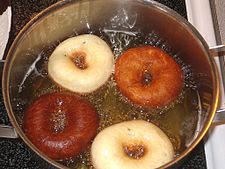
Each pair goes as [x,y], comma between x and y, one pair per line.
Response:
[60,125]
[148,76]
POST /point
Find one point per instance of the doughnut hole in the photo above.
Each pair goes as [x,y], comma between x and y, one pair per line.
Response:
[58,121]
[79,59]
[134,150]
[146,78]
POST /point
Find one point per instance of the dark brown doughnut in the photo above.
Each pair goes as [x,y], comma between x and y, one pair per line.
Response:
[148,76]
[61,125]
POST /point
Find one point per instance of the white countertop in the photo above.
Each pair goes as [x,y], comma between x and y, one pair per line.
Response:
[5,24]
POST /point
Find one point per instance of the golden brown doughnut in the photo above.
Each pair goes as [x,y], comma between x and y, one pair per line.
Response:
[148,76]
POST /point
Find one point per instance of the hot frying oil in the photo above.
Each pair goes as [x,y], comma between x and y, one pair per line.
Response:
[178,120]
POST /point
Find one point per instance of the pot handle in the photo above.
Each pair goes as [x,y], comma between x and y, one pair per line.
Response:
[216,50]
[219,117]
[5,130]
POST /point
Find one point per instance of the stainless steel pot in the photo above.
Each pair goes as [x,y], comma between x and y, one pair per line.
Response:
[69,17]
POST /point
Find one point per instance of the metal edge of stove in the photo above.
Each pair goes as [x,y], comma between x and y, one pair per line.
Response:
[218,38]
[199,13]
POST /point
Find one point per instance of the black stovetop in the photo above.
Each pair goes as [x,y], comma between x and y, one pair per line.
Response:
[13,152]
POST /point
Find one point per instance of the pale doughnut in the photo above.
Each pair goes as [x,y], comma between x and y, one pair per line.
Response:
[151,145]
[81,64]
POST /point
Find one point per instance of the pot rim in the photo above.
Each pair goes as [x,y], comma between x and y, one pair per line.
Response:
[65,3]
